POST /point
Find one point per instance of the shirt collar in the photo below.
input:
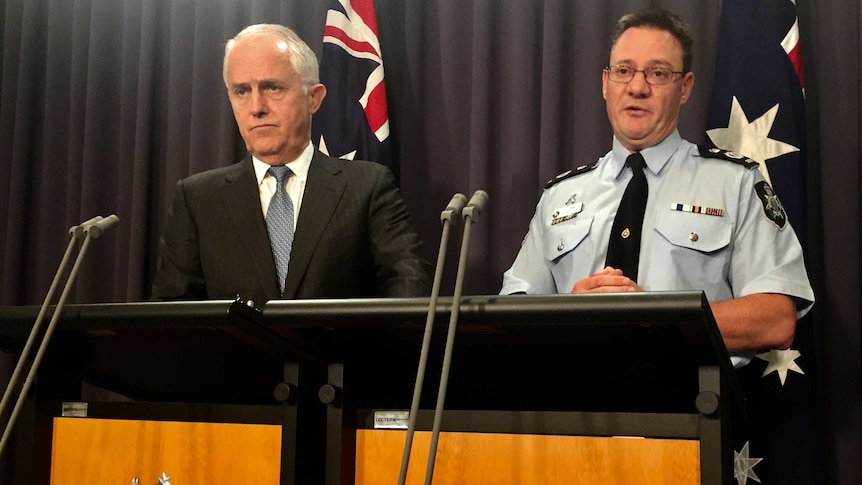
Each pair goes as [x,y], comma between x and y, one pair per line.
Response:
[299,167]
[655,156]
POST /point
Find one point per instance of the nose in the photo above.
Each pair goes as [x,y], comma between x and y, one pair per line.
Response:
[258,104]
[639,86]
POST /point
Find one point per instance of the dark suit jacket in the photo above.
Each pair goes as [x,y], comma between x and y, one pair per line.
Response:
[353,237]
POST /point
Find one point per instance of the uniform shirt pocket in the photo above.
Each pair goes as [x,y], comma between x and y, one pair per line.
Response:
[703,233]
[561,239]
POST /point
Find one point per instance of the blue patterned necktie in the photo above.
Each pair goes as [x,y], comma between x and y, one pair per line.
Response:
[279,222]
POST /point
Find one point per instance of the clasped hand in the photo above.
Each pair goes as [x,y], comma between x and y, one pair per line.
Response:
[608,280]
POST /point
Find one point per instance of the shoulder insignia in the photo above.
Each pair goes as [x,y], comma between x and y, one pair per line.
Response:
[720,154]
[772,208]
[571,173]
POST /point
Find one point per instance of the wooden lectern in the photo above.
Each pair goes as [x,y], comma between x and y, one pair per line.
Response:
[536,380]
[185,364]
[650,365]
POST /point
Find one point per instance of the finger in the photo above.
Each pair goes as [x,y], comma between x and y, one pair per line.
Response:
[612,289]
[593,283]
[612,280]
[608,270]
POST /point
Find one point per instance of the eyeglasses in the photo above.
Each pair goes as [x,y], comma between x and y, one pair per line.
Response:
[654,76]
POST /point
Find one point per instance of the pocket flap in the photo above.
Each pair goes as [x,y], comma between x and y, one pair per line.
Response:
[695,231]
[564,237]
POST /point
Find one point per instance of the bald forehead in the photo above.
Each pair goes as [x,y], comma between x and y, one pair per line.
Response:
[264,42]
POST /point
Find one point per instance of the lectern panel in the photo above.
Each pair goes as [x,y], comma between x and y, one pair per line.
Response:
[492,459]
[89,450]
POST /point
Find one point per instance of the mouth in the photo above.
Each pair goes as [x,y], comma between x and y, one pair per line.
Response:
[262,125]
[636,111]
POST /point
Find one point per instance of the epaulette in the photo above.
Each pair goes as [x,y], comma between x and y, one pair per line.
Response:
[720,154]
[571,173]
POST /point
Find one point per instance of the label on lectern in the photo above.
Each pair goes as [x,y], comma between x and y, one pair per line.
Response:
[391,419]
[74,410]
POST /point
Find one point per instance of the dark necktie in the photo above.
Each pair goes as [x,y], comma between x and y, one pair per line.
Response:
[279,222]
[625,243]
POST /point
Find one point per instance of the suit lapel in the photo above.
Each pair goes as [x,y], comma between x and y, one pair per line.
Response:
[242,205]
[323,191]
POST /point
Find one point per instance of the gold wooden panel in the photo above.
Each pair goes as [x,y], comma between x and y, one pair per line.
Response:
[113,451]
[495,459]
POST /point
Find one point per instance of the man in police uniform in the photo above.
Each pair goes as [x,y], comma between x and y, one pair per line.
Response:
[711,221]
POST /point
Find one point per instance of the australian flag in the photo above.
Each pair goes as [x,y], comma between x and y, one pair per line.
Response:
[353,121]
[758,110]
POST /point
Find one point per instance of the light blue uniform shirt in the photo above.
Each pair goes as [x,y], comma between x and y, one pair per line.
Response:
[730,249]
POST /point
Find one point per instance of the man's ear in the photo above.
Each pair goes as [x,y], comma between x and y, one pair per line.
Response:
[604,85]
[316,93]
[687,86]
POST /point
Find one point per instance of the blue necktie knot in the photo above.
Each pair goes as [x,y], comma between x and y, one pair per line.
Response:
[281,173]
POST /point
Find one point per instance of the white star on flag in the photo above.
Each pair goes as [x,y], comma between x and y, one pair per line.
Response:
[743,466]
[751,138]
[323,149]
[781,361]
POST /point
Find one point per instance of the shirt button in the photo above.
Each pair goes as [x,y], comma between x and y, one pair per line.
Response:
[693,236]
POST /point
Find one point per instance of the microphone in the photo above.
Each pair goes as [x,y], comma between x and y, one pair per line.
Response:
[96,229]
[476,205]
[452,212]
[451,216]
[471,214]
[78,231]
[89,229]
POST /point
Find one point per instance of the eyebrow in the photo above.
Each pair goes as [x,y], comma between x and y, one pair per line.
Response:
[262,82]
[651,62]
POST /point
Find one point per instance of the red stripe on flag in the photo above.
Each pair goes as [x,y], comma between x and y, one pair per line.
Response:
[365,9]
[796,59]
[376,111]
[330,31]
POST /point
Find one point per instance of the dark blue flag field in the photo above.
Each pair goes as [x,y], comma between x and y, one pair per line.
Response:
[757,109]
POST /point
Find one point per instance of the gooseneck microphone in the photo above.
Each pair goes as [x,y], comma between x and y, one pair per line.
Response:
[471,214]
[451,216]
[89,230]
[76,233]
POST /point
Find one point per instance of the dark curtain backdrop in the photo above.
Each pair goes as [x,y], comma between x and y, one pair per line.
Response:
[105,104]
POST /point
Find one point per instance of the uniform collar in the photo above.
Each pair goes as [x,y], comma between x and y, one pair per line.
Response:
[656,157]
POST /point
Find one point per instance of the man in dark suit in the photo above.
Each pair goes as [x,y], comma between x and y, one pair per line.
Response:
[345,230]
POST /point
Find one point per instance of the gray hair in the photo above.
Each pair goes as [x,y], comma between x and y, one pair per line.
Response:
[661,20]
[301,56]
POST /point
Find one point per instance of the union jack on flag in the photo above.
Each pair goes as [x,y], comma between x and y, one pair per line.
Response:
[353,121]
[758,109]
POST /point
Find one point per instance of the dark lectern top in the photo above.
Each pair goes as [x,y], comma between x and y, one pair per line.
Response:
[636,351]
[626,352]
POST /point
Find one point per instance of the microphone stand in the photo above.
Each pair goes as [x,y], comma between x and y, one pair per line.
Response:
[76,232]
[449,217]
[91,229]
[471,214]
